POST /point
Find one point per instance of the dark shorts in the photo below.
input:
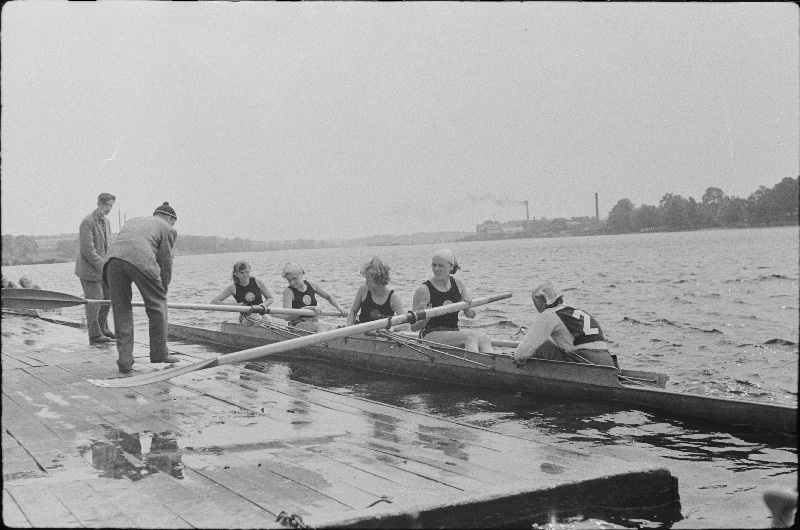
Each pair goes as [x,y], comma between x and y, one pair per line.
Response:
[428,329]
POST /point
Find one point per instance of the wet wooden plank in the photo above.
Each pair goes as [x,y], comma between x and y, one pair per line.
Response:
[54,405]
[89,507]
[11,363]
[21,359]
[12,514]
[25,428]
[140,414]
[282,492]
[371,464]
[40,507]
[141,508]
[194,507]
[321,481]
[339,472]
[244,513]
[380,413]
[260,497]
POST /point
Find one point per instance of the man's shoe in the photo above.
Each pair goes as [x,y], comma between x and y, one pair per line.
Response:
[168,359]
[109,334]
[102,339]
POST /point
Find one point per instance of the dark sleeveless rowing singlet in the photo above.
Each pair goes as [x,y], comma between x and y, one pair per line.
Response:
[250,295]
[303,299]
[582,326]
[438,298]
[371,311]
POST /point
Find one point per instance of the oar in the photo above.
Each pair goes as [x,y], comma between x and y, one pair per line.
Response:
[498,343]
[299,342]
[41,299]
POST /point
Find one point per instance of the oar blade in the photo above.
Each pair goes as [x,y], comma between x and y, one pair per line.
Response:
[152,377]
[38,299]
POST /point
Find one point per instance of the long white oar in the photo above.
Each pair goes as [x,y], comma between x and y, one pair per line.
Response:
[308,340]
[47,300]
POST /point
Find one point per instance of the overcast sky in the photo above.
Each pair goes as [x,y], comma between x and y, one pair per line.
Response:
[275,121]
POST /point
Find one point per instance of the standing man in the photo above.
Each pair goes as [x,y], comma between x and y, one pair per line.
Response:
[93,236]
[142,254]
[562,333]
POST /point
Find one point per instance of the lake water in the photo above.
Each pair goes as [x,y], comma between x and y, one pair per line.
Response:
[716,310]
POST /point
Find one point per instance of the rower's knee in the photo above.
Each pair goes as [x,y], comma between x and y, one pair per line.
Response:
[471,341]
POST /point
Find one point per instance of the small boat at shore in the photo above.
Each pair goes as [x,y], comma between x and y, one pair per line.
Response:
[405,355]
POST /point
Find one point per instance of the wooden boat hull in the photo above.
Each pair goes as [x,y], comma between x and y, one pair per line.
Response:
[574,380]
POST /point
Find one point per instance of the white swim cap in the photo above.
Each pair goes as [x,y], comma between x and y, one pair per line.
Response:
[548,292]
[291,268]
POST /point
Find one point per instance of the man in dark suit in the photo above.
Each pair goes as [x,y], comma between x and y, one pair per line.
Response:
[94,233]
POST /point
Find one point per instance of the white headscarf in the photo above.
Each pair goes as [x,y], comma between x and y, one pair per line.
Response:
[447,255]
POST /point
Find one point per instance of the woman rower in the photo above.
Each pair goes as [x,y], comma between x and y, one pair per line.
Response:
[374,298]
[443,289]
[246,290]
[301,294]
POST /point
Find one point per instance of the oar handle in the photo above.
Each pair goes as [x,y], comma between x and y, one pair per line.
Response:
[256,309]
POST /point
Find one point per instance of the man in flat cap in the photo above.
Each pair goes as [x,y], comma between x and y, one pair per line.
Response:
[142,255]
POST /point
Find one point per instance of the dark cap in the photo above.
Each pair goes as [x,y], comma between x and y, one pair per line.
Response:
[166,209]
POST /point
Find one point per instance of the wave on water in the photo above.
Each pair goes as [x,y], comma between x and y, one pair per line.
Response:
[667,342]
[712,330]
[775,277]
[634,321]
[681,300]
[665,321]
[781,342]
[670,323]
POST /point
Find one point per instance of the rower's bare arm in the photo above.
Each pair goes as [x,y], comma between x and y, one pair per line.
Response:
[329,297]
[468,312]
[287,298]
[422,300]
[351,316]
[396,303]
[223,294]
[268,298]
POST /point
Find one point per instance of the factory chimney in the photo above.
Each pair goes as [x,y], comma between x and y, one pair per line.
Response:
[527,212]
[596,207]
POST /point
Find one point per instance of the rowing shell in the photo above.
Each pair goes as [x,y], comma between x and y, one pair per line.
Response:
[398,354]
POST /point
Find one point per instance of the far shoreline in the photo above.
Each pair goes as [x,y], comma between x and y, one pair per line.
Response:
[467,239]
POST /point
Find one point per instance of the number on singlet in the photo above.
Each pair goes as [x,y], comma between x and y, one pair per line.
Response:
[587,322]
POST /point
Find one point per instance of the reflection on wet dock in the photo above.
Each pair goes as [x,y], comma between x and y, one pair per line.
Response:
[244,446]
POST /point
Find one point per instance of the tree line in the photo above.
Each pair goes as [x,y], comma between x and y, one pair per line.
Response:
[764,207]
[18,250]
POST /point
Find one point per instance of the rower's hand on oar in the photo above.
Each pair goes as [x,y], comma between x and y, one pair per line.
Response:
[468,312]
[315,308]
[519,363]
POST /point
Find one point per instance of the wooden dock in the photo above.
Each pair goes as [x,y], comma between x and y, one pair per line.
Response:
[233,447]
